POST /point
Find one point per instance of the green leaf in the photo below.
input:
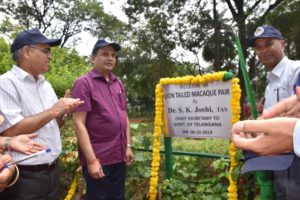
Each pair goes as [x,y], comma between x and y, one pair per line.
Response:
[235,173]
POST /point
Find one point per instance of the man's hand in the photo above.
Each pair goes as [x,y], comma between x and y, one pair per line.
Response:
[289,107]
[129,156]
[65,105]
[67,93]
[273,136]
[95,170]
[1,119]
[5,173]
[25,144]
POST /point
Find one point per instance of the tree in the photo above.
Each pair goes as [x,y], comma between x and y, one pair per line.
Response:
[60,18]
[255,12]
[189,24]
[193,26]
[140,69]
[285,19]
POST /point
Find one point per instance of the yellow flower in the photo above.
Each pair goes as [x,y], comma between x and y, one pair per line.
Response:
[159,122]
[73,186]
[235,110]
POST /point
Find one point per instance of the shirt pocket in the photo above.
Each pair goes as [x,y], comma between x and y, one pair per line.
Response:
[122,100]
[281,93]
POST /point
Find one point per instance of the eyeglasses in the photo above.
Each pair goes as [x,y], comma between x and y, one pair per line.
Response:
[46,51]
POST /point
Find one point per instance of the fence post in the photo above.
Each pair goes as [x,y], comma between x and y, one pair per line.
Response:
[168,156]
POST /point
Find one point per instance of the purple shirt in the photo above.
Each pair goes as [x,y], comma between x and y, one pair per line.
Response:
[106,120]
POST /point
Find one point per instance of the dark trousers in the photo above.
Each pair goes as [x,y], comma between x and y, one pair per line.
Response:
[110,187]
[34,185]
[287,182]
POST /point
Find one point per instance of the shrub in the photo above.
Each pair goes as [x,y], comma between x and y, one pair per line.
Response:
[66,67]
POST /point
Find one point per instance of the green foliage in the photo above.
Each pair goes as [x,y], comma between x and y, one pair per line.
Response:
[193,185]
[138,174]
[160,27]
[63,18]
[283,18]
[193,178]
[69,156]
[66,67]
[68,160]
[140,71]
[142,135]
[187,171]
[156,29]
[201,145]
[7,28]
[5,56]
[184,167]
[246,182]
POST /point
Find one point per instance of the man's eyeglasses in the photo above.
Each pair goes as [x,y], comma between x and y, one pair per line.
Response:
[46,51]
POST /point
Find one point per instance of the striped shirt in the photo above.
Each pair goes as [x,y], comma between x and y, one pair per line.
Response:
[21,96]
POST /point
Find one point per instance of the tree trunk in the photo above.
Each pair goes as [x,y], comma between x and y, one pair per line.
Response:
[217,63]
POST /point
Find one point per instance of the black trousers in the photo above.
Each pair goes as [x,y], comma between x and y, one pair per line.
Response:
[287,182]
[34,185]
[110,187]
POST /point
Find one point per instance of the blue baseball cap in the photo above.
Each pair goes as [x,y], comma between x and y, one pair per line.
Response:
[32,37]
[103,43]
[265,32]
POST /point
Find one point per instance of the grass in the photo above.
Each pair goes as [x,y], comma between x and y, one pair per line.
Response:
[213,146]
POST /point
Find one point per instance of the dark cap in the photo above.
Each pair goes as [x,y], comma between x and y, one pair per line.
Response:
[103,43]
[264,32]
[32,37]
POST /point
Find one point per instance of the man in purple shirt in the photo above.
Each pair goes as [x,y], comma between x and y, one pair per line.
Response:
[102,126]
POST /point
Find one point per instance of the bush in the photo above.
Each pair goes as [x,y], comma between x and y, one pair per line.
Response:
[66,67]
[5,56]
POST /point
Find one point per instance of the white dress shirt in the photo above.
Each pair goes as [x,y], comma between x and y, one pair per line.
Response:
[21,96]
[281,81]
[281,85]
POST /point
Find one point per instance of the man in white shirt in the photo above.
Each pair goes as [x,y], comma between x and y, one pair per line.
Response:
[269,45]
[279,125]
[30,105]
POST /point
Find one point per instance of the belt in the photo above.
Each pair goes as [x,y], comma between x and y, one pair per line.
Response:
[42,167]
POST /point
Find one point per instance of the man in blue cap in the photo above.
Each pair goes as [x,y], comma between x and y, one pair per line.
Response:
[268,45]
[30,105]
[102,126]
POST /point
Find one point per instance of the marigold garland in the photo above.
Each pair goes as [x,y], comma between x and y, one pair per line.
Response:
[235,111]
[158,124]
[73,186]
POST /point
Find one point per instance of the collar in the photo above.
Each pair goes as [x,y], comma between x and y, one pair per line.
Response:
[279,68]
[98,75]
[23,75]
